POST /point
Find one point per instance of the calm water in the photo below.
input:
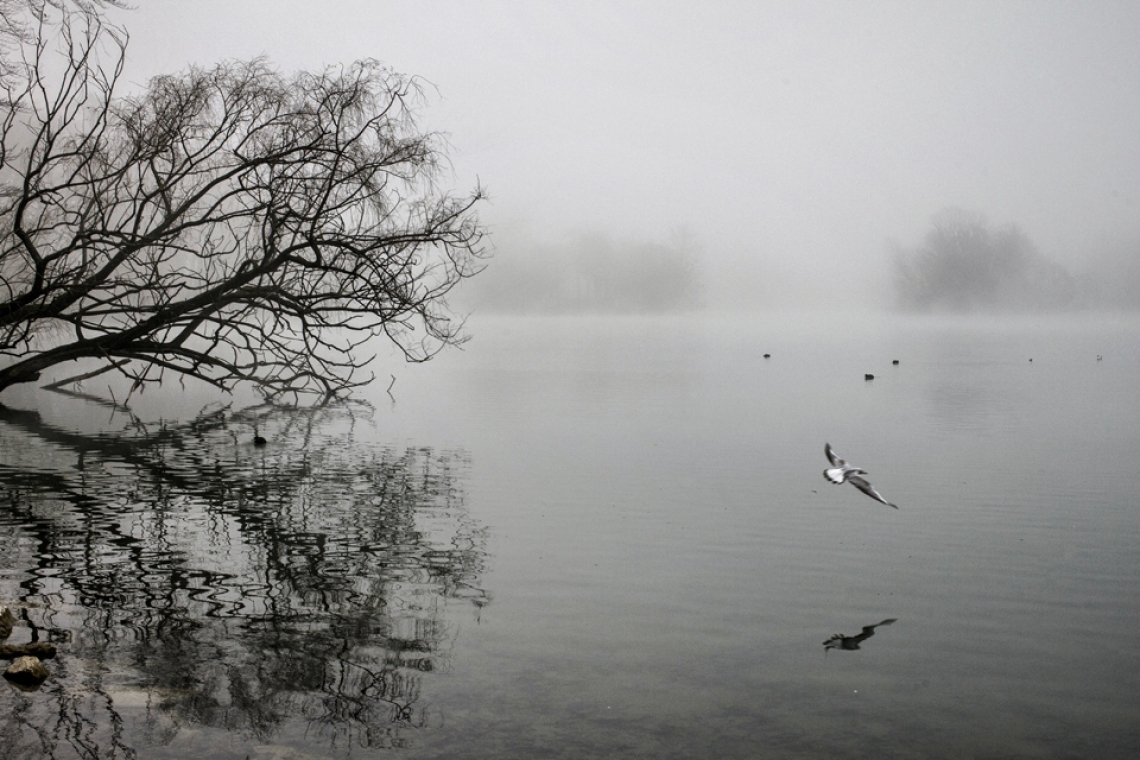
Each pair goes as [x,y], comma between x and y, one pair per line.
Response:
[591,538]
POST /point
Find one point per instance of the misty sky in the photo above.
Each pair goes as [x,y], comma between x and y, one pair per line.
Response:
[789,137]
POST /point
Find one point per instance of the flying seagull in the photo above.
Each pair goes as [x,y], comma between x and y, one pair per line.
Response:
[841,472]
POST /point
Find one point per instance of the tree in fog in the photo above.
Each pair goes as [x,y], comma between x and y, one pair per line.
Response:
[644,277]
[229,224]
[593,273]
[19,18]
[965,263]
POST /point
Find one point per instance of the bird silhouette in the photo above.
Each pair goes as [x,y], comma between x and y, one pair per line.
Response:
[839,641]
[841,472]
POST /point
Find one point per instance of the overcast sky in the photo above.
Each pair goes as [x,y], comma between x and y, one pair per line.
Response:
[789,136]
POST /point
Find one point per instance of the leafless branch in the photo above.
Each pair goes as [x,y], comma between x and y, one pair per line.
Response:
[230,224]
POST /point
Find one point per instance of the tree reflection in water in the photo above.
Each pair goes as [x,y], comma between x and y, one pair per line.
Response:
[193,580]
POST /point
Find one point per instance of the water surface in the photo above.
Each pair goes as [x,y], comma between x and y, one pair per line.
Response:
[594,538]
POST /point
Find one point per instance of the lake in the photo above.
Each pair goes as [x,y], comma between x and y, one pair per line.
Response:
[588,537]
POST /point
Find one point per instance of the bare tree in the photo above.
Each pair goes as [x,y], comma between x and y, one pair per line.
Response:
[229,224]
[966,263]
[16,24]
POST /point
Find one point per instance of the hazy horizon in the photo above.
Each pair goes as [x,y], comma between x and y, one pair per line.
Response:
[796,142]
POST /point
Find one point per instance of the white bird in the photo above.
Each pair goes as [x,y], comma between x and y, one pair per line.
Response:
[841,472]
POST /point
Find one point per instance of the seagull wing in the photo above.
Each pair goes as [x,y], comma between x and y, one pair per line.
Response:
[833,457]
[871,628]
[865,486]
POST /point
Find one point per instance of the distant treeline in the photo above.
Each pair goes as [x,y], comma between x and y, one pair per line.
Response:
[965,263]
[591,273]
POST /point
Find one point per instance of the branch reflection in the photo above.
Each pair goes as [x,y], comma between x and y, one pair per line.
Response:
[303,586]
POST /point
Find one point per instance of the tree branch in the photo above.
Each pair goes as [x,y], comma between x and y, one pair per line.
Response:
[229,224]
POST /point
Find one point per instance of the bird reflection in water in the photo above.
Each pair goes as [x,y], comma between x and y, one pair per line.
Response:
[839,641]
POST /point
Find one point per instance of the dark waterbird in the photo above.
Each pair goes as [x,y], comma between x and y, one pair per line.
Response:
[841,472]
[839,641]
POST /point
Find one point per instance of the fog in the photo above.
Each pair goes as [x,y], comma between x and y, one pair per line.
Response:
[796,144]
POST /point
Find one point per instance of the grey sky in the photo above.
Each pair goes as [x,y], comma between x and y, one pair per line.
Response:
[792,134]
